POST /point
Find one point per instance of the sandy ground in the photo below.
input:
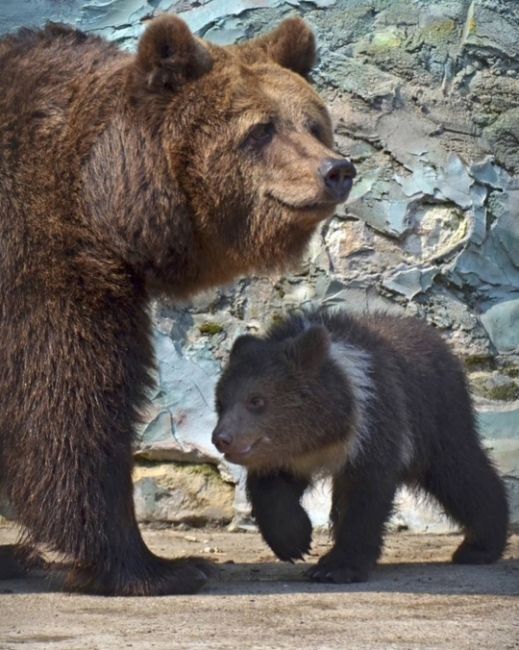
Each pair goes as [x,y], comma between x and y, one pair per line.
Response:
[415,599]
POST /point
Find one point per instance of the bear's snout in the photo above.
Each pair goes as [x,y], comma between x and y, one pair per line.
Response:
[222,440]
[337,175]
[237,448]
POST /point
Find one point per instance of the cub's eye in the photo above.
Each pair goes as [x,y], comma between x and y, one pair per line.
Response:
[255,403]
[260,135]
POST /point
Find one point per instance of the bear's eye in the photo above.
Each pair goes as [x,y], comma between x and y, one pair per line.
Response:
[316,131]
[255,403]
[260,135]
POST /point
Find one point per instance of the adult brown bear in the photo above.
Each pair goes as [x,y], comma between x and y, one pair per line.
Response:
[178,168]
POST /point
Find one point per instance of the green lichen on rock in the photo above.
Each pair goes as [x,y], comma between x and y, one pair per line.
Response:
[209,328]
[192,494]
[494,386]
[475,362]
[386,39]
[504,392]
[511,371]
[202,469]
[439,32]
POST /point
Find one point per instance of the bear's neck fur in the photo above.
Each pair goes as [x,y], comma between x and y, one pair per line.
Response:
[129,201]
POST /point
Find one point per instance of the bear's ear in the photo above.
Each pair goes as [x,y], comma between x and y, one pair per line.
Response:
[168,54]
[310,349]
[242,342]
[291,45]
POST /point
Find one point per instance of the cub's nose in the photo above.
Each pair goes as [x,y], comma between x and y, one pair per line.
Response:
[338,175]
[221,440]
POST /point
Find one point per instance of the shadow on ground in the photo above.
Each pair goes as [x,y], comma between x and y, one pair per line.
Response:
[415,599]
[264,578]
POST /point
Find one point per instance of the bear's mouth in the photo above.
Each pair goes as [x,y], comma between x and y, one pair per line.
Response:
[238,455]
[322,200]
[303,205]
[314,211]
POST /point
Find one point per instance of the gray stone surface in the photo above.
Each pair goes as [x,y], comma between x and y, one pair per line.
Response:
[182,493]
[425,100]
[502,324]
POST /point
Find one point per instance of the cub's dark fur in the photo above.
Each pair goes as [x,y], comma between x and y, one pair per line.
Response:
[376,402]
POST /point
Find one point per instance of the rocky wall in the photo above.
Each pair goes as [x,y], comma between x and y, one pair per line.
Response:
[425,101]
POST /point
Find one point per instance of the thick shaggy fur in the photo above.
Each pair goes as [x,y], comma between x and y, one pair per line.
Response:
[375,402]
[121,176]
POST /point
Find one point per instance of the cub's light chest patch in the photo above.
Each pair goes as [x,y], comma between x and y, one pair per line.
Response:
[327,460]
[356,366]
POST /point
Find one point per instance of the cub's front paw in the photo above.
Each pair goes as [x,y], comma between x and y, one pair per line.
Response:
[338,569]
[289,536]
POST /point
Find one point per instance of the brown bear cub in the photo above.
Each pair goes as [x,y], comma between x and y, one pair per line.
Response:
[375,402]
[175,169]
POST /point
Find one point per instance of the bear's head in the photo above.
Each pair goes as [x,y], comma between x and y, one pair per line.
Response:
[248,144]
[283,404]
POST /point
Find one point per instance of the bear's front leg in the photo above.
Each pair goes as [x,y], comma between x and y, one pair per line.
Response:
[69,457]
[138,572]
[361,505]
[119,563]
[276,506]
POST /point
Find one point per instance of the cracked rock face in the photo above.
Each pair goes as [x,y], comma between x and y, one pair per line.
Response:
[182,493]
[425,101]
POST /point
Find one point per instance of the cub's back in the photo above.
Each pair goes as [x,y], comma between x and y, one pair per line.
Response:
[412,341]
[410,356]
[408,362]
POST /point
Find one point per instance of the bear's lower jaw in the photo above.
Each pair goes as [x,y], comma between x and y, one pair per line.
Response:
[310,213]
[309,217]
[244,454]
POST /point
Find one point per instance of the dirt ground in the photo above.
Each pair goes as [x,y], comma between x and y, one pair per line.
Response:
[415,599]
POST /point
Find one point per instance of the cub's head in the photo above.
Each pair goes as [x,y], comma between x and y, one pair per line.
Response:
[247,140]
[283,404]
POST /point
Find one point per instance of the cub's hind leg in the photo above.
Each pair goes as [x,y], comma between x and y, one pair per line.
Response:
[362,504]
[466,484]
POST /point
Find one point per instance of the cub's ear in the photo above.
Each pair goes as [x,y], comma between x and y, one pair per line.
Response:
[291,45]
[310,349]
[242,342]
[168,54]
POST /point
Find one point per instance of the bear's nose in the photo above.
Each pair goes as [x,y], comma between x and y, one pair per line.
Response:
[338,175]
[222,440]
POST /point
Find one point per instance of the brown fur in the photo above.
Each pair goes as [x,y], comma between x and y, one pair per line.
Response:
[121,176]
[374,402]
